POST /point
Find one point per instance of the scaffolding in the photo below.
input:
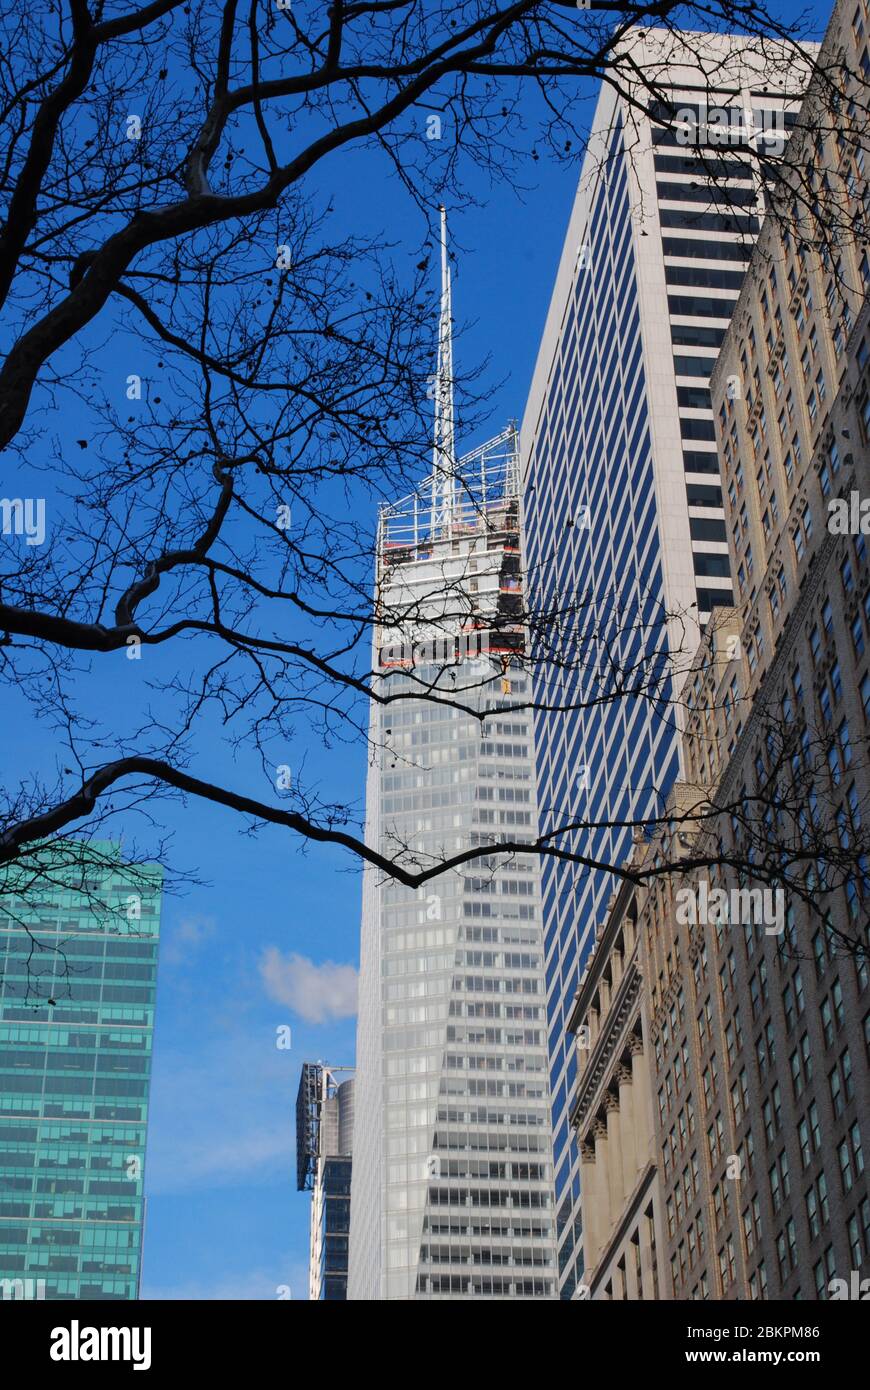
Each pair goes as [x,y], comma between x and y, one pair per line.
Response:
[485,501]
[317,1085]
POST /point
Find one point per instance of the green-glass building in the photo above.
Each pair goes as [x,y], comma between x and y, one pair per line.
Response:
[78,978]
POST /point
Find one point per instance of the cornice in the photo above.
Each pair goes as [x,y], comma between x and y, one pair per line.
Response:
[596,962]
[611,1040]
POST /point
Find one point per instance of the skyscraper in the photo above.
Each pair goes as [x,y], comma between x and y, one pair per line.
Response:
[324,1157]
[452,1172]
[622,502]
[773,1002]
[754,1014]
[78,979]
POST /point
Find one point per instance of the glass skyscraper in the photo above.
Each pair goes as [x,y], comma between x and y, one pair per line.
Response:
[324,1163]
[78,978]
[452,1170]
[622,502]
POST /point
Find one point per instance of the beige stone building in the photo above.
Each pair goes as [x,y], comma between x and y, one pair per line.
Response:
[612,1114]
[753,1007]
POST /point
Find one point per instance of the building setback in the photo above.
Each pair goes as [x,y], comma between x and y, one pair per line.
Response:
[452,1173]
[622,503]
[78,981]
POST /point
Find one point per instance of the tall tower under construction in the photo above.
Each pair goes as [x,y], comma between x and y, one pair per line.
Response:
[452,1189]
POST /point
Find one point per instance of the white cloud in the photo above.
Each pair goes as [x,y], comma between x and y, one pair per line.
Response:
[184,941]
[316,993]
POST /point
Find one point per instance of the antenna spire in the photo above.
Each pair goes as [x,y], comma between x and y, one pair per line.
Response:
[444,451]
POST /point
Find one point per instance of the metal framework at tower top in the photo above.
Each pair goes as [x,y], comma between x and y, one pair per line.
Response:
[317,1084]
[475,493]
[485,484]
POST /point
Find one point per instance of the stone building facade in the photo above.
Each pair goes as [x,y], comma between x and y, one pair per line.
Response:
[754,1010]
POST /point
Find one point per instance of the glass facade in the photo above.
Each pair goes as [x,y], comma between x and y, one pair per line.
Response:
[452,1174]
[594,448]
[334,1229]
[324,1163]
[623,514]
[78,978]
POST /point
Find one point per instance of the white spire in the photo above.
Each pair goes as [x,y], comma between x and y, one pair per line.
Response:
[444,452]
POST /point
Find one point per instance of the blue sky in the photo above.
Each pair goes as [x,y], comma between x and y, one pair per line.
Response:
[224,1219]
[269,938]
